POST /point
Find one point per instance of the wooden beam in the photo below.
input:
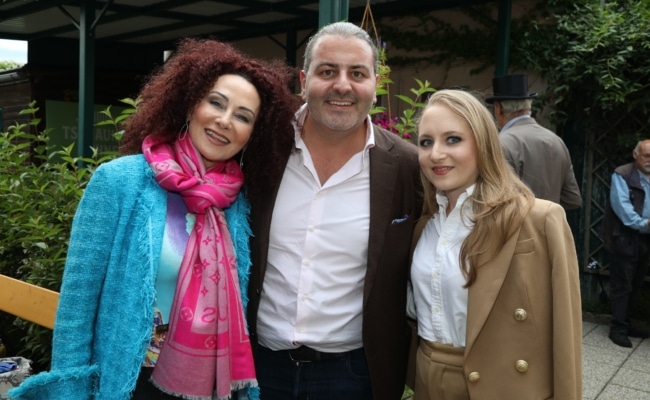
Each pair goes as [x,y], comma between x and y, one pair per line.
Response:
[29,302]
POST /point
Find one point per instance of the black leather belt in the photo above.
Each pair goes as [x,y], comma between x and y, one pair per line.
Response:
[307,354]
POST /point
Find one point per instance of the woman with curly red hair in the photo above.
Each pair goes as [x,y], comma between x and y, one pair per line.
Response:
[153,297]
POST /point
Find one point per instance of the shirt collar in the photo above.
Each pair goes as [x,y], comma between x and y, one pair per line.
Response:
[643,176]
[443,201]
[512,121]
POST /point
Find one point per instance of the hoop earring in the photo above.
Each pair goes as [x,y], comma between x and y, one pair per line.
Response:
[241,158]
[183,132]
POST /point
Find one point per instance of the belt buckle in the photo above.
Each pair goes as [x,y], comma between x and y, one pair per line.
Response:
[294,356]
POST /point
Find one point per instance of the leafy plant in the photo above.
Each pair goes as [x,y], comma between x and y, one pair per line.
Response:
[405,125]
[8,65]
[116,122]
[383,70]
[593,60]
[590,53]
[40,187]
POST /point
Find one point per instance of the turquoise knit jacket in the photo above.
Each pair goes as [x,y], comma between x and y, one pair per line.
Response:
[105,312]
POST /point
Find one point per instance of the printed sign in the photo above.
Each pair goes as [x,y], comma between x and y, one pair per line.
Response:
[62,119]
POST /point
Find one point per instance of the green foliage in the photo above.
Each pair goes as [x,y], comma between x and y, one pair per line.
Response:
[406,125]
[8,65]
[592,55]
[116,122]
[594,60]
[408,121]
[40,188]
[384,82]
[38,201]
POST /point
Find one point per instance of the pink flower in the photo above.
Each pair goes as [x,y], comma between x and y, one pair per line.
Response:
[389,123]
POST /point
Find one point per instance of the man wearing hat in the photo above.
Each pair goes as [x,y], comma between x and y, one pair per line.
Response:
[537,155]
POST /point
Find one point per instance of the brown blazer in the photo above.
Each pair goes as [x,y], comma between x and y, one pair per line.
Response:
[524,318]
[395,191]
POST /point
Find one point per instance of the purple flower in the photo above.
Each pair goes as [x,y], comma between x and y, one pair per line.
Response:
[387,122]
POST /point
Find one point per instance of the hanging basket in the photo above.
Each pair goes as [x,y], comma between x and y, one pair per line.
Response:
[383,70]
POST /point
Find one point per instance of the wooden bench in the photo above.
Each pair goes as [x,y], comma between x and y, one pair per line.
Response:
[29,302]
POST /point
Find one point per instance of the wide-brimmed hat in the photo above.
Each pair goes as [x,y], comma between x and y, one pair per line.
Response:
[510,87]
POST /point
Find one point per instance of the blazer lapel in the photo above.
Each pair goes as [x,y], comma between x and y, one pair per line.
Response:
[383,175]
[261,215]
[483,293]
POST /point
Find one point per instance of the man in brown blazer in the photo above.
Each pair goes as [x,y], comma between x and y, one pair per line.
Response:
[331,243]
[538,156]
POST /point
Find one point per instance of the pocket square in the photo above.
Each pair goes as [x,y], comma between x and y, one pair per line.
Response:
[399,220]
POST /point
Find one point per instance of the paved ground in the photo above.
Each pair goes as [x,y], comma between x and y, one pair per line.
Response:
[612,372]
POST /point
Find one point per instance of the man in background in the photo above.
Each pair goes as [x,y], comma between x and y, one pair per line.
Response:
[538,156]
[626,236]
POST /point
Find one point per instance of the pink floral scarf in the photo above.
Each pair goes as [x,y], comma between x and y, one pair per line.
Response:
[207,344]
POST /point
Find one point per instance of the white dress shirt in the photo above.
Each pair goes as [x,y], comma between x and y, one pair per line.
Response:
[438,292]
[313,287]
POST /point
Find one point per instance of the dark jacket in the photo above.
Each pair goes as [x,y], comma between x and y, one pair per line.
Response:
[395,191]
[618,238]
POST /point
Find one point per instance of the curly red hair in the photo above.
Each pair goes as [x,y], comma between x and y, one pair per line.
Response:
[175,88]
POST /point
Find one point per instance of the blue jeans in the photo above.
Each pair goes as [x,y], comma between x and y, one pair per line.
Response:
[626,276]
[281,378]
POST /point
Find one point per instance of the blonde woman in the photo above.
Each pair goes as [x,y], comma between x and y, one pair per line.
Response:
[494,272]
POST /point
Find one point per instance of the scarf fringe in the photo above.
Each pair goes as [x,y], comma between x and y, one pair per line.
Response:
[253,391]
[179,395]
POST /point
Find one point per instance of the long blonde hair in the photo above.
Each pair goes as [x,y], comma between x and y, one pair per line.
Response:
[500,200]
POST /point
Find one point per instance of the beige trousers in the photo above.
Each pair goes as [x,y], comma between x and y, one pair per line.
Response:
[439,372]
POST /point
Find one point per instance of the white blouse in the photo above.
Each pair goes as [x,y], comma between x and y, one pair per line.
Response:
[438,292]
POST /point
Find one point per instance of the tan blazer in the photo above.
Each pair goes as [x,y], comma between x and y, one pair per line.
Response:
[524,322]
[395,192]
